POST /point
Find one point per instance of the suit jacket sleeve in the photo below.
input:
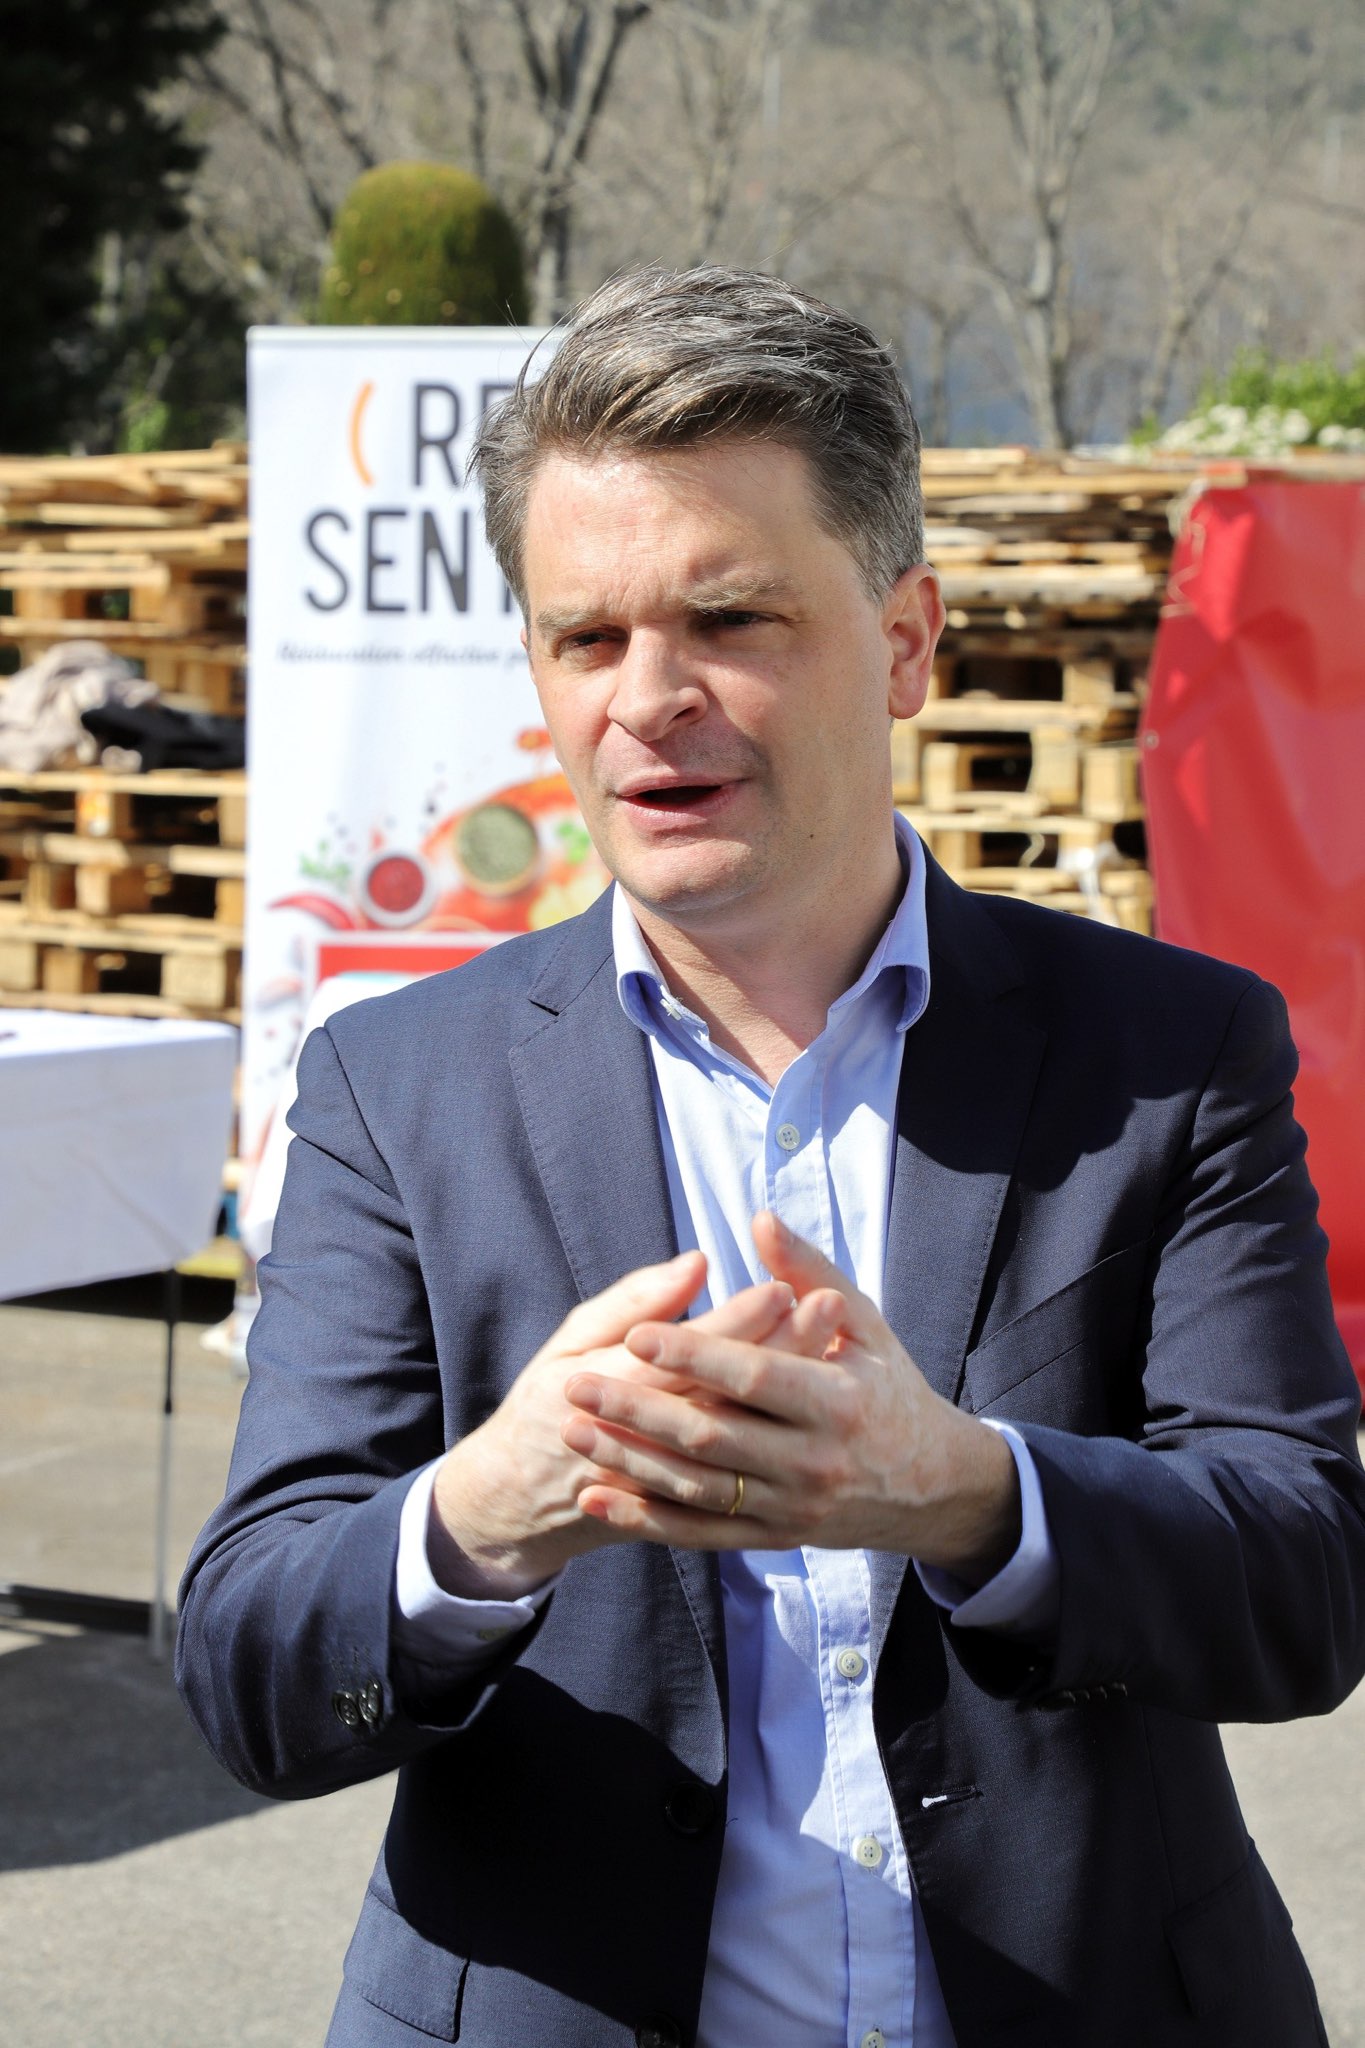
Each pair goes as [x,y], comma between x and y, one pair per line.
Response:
[1215,1563]
[283,1653]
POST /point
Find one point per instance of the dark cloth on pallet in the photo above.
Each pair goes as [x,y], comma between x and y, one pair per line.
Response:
[166,738]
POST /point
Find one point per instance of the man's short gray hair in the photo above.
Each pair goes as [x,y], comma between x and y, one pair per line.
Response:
[658,360]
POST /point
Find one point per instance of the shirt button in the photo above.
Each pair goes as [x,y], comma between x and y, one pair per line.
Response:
[850,1664]
[690,1808]
[659,2033]
[868,1851]
[873,2038]
[788,1137]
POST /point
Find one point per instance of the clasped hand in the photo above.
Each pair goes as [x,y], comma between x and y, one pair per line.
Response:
[631,1426]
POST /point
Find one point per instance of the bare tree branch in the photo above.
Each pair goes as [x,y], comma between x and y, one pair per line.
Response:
[476,78]
[570,63]
[720,52]
[280,141]
[1189,292]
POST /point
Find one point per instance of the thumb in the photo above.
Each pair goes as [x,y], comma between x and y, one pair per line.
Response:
[649,1294]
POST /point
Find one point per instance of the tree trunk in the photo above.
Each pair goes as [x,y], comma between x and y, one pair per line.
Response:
[550,296]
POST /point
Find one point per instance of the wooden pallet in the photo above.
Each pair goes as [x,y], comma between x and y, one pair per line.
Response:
[146,555]
[1022,769]
[123,892]
[1048,770]
[1124,896]
[191,962]
[104,877]
[108,806]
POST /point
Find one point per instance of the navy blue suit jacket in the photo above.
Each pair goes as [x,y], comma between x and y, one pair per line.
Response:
[1101,1228]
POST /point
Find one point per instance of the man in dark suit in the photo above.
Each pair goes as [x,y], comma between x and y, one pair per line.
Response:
[842,1661]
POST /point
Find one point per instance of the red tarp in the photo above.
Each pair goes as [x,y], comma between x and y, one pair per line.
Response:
[1254,772]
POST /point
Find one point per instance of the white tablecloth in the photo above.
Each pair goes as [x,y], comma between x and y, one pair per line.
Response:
[113,1134]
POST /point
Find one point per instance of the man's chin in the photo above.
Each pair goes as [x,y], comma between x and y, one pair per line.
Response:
[686,883]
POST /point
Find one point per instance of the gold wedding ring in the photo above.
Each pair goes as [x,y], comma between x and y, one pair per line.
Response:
[738,1501]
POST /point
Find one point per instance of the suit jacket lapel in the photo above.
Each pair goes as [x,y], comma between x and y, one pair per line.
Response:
[967,1080]
[585,1086]
[582,1076]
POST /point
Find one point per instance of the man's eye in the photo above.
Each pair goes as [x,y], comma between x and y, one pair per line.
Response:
[725,620]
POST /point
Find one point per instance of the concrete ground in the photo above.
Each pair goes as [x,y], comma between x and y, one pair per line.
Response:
[147,1902]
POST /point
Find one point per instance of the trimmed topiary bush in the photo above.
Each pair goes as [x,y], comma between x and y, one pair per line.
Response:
[423,245]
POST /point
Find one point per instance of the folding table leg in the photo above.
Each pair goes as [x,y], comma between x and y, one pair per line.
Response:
[159,1627]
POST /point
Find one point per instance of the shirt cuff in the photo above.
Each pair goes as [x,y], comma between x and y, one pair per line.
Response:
[444,1629]
[1021,1600]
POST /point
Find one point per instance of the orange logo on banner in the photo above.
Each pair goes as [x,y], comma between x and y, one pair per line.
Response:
[363,397]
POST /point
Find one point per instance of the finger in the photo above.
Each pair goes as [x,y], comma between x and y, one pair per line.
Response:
[635,1518]
[789,1257]
[754,1314]
[726,1437]
[770,1316]
[813,1325]
[776,1383]
[657,1291]
[633,1465]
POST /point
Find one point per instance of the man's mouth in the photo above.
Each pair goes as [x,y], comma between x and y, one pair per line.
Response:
[673,801]
[675,796]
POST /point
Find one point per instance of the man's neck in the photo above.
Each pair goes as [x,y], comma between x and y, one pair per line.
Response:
[765,995]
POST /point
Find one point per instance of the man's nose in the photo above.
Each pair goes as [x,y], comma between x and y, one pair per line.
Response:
[655,689]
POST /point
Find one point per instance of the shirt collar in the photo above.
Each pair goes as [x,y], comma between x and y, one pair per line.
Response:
[902,952]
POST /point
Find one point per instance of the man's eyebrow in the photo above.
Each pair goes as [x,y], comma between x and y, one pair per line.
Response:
[728,594]
[554,619]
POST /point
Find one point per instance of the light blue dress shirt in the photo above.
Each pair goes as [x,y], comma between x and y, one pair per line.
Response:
[816,1935]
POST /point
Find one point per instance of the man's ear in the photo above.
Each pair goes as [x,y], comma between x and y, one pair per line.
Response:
[913,617]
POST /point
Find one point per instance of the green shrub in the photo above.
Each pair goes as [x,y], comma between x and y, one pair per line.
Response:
[423,245]
[1268,408]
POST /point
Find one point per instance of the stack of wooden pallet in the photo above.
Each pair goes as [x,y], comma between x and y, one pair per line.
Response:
[124,892]
[1021,772]
[145,553]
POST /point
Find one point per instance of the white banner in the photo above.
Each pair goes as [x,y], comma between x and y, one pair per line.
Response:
[405,806]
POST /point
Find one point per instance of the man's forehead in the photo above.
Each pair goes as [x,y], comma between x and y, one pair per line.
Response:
[709,528]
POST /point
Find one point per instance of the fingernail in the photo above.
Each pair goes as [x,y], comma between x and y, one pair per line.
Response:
[585,1395]
[643,1344]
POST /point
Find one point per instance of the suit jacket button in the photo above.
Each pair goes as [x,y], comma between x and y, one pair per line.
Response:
[690,1808]
[346,1707]
[658,2033]
[371,1703]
